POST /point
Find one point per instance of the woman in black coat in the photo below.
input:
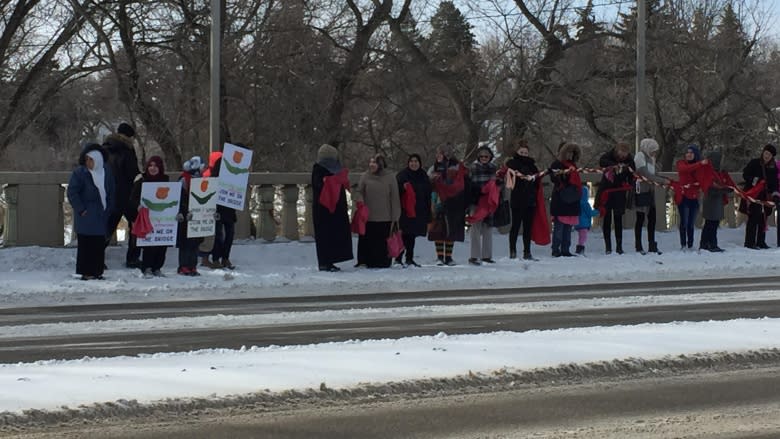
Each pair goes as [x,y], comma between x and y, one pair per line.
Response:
[417,226]
[522,200]
[757,170]
[332,234]
[618,166]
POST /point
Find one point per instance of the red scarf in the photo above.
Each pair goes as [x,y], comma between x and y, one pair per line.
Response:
[331,190]
[540,227]
[360,218]
[445,190]
[604,197]
[409,201]
[488,202]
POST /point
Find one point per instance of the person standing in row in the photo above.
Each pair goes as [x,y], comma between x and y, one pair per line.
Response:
[449,200]
[611,195]
[378,189]
[91,194]
[415,223]
[522,200]
[153,257]
[644,197]
[482,171]
[760,175]
[565,203]
[188,247]
[688,207]
[712,206]
[332,235]
[123,162]
[225,225]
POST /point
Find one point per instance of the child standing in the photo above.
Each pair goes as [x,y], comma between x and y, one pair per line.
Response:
[586,220]
[188,247]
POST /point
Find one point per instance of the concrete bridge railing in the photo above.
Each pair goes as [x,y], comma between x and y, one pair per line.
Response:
[37,212]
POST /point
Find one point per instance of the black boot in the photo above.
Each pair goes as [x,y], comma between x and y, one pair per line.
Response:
[639,248]
[512,254]
[580,250]
[653,248]
[619,249]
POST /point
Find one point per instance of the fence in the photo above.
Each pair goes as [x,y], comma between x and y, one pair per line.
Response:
[280,207]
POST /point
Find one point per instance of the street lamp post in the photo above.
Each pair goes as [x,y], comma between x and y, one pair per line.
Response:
[215,98]
[641,49]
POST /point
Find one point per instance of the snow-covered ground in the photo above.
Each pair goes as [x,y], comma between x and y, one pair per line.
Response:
[44,276]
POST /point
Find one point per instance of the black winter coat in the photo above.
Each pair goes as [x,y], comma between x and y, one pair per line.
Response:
[754,170]
[616,200]
[421,184]
[524,192]
[558,206]
[332,234]
[121,158]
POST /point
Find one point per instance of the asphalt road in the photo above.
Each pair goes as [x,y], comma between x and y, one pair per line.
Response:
[722,405]
[111,344]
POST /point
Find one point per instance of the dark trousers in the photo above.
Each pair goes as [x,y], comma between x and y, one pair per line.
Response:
[372,247]
[408,248]
[688,210]
[153,257]
[188,252]
[561,239]
[606,227]
[709,234]
[90,255]
[223,240]
[521,217]
[755,230]
[640,220]
[133,251]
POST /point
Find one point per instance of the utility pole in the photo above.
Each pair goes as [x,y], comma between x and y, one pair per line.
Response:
[215,99]
[641,50]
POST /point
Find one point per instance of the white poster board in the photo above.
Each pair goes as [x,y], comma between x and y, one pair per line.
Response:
[162,199]
[203,206]
[234,176]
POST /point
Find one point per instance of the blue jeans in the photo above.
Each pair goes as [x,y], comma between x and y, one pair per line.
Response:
[688,210]
[561,239]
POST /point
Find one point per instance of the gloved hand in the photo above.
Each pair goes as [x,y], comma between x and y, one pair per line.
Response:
[189,216]
[216,216]
[179,217]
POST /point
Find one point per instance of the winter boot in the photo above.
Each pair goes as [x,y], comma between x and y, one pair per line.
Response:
[580,250]
[619,249]
[639,249]
[205,262]
[653,248]
[227,264]
[513,254]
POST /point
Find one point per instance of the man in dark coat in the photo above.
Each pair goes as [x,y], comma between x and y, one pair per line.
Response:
[123,162]
[617,180]
[332,234]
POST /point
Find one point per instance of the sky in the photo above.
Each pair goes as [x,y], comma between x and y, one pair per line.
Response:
[33,276]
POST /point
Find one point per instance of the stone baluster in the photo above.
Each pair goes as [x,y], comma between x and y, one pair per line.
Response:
[290,211]
[308,221]
[267,221]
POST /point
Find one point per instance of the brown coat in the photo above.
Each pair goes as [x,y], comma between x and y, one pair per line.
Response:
[380,194]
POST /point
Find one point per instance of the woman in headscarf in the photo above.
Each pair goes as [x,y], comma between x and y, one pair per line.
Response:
[91,194]
[153,257]
[644,197]
[414,222]
[332,234]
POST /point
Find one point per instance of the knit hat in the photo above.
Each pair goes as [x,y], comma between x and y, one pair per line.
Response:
[695,150]
[485,149]
[327,152]
[771,148]
[125,130]
[193,165]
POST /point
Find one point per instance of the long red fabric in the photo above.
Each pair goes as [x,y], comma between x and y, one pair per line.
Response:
[409,201]
[540,228]
[331,190]
[487,204]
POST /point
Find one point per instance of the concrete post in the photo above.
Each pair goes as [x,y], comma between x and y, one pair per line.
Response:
[308,221]
[35,215]
[267,221]
[290,211]
[244,218]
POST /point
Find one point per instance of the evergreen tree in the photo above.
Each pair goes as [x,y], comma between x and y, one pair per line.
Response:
[451,43]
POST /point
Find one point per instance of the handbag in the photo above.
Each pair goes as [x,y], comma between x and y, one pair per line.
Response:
[503,214]
[395,242]
[142,225]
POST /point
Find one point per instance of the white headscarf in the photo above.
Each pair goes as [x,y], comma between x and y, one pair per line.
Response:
[98,173]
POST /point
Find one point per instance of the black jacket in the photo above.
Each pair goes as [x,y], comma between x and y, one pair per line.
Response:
[616,200]
[524,192]
[421,184]
[121,158]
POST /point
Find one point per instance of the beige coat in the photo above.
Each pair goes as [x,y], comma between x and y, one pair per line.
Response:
[381,196]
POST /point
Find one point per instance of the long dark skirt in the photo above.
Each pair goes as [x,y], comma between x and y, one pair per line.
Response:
[90,255]
[372,247]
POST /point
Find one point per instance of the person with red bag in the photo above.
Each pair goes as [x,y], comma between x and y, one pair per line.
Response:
[378,189]
[415,189]
[761,183]
[152,257]
[332,235]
